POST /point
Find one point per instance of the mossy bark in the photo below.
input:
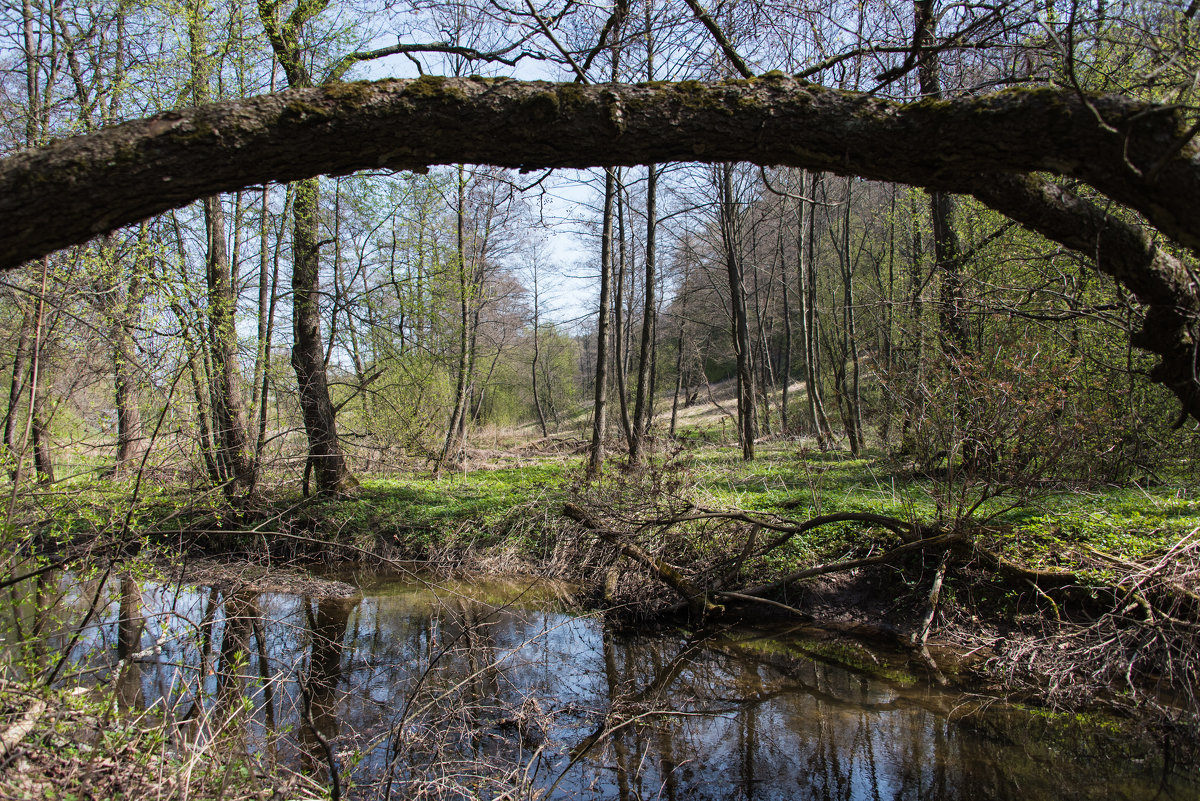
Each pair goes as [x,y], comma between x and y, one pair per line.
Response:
[984,145]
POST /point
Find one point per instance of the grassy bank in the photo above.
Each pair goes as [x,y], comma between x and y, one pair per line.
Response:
[517,508]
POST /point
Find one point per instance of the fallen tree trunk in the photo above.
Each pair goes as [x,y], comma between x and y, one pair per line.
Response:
[14,734]
[1139,154]
[140,168]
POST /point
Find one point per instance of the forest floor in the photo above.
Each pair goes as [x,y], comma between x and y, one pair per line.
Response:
[505,513]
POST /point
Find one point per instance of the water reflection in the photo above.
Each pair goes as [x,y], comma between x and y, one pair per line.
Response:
[320,683]
[463,691]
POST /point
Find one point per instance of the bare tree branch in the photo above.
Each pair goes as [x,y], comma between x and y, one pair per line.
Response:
[723,40]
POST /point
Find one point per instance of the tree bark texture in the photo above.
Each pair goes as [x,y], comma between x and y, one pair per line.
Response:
[228,407]
[1140,156]
[641,407]
[603,334]
[952,314]
[740,324]
[131,443]
[151,165]
[308,356]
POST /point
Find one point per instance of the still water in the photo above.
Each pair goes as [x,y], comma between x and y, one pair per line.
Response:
[475,690]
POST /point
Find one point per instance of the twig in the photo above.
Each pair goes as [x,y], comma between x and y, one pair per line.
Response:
[738,596]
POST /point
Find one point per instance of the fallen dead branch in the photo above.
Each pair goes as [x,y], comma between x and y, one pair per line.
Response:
[14,734]
[694,597]
[938,541]
[1152,629]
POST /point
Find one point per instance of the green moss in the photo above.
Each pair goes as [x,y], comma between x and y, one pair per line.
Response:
[930,104]
[855,657]
[302,109]
[748,103]
[1081,721]
[697,96]
[542,106]
[355,92]
[434,87]
[571,97]
[842,653]
[196,132]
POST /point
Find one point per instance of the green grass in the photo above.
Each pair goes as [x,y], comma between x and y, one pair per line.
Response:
[1046,528]
[419,512]
[786,479]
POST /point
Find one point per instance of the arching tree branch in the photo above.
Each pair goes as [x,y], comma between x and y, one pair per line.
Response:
[1126,253]
[76,188]
[79,187]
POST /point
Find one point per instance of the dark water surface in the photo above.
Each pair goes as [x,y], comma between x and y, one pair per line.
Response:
[478,689]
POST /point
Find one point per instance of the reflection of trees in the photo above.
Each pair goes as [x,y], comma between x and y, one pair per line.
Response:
[476,649]
[129,638]
[32,629]
[626,709]
[320,684]
[708,717]
[264,672]
[234,654]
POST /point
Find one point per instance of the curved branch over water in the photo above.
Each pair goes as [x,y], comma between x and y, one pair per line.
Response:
[75,188]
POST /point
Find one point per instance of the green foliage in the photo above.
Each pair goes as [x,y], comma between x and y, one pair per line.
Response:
[418,513]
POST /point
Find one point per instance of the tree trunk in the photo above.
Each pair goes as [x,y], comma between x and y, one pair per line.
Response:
[603,334]
[683,299]
[808,311]
[952,312]
[266,334]
[787,327]
[766,370]
[914,379]
[537,402]
[308,353]
[731,238]
[854,426]
[452,448]
[16,388]
[130,435]
[42,461]
[325,457]
[641,406]
[988,146]
[620,339]
[228,409]
[288,136]
[887,343]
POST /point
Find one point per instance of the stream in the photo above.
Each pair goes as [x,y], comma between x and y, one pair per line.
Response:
[459,689]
